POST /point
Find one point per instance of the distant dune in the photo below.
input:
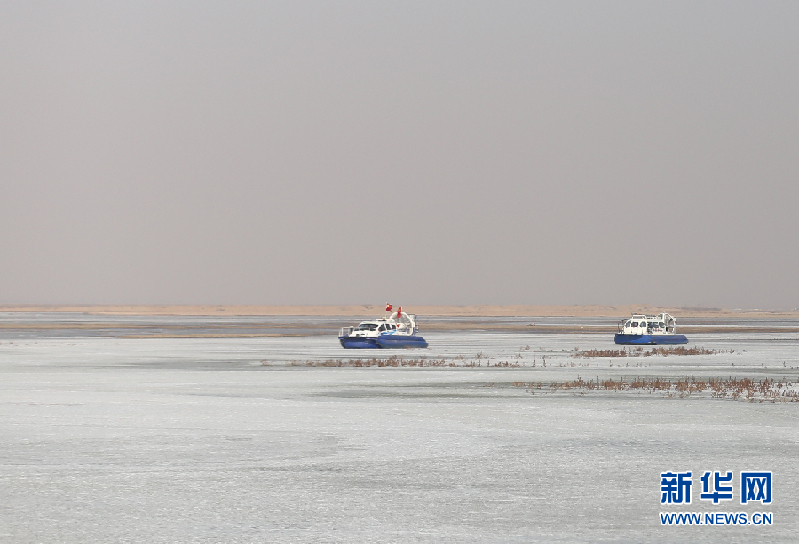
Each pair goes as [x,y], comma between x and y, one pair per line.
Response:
[371,311]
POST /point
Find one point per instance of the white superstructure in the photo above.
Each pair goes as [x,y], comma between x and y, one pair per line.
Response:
[649,324]
[397,324]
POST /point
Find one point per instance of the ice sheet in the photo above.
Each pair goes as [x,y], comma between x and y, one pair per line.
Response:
[196,439]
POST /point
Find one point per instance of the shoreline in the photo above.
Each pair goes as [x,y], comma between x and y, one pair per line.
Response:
[370,311]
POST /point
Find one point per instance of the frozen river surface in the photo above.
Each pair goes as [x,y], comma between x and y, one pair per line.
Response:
[107,439]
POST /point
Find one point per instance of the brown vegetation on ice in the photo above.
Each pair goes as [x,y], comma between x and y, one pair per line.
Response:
[641,352]
[732,388]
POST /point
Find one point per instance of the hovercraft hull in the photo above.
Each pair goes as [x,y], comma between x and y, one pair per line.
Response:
[400,341]
[389,341]
[648,339]
[358,342]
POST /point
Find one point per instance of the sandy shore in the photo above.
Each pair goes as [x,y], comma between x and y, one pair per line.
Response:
[372,311]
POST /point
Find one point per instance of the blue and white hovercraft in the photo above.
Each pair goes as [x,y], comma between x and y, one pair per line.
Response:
[649,329]
[398,330]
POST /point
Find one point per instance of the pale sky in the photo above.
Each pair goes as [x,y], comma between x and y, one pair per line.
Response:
[415,152]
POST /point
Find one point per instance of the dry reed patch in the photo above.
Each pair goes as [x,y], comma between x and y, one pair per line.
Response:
[639,351]
[766,390]
[397,361]
[392,361]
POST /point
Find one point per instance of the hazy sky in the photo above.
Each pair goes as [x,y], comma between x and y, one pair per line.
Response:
[416,152]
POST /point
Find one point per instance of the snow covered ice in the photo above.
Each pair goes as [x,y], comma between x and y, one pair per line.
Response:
[109,439]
